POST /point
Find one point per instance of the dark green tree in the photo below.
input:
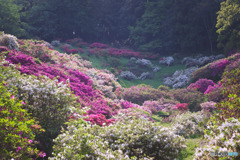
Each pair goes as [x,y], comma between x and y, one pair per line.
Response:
[228,27]
[10,21]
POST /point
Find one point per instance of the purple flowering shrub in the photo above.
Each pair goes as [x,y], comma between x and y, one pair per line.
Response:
[139,94]
[214,93]
[201,85]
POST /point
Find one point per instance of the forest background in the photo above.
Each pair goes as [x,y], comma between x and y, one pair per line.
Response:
[158,26]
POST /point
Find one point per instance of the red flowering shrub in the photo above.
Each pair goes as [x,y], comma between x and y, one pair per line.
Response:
[190,96]
[99,119]
[181,107]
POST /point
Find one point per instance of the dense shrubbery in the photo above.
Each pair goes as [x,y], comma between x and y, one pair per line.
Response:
[201,85]
[222,138]
[139,94]
[188,124]
[17,128]
[190,96]
[131,138]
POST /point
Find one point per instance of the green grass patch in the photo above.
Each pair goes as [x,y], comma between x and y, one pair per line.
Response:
[107,62]
[188,153]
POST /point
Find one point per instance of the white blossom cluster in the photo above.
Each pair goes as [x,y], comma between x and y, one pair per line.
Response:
[9,41]
[187,124]
[223,138]
[130,139]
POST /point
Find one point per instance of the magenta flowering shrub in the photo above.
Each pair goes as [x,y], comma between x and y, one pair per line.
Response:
[201,85]
[215,92]
[126,105]
[99,119]
[219,66]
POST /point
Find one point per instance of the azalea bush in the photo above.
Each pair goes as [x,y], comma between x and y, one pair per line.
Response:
[190,96]
[201,85]
[128,139]
[220,138]
[17,128]
[188,124]
[139,94]
[47,101]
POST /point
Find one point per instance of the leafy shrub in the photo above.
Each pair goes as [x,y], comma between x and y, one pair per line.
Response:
[9,41]
[129,139]
[201,85]
[192,97]
[181,106]
[139,94]
[187,124]
[17,129]
[222,138]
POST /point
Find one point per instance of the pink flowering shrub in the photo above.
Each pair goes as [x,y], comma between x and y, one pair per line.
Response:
[99,119]
[98,45]
[208,106]
[126,105]
[201,85]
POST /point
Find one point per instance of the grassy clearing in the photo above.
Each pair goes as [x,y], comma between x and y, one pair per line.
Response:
[107,62]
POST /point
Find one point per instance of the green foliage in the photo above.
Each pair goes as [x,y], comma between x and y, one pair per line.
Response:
[10,21]
[18,129]
[227,25]
[173,26]
[128,139]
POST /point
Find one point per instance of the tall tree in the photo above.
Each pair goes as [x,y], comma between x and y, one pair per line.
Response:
[10,21]
[228,27]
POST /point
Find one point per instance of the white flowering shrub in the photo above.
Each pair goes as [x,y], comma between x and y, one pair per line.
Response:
[9,41]
[187,124]
[129,139]
[222,138]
